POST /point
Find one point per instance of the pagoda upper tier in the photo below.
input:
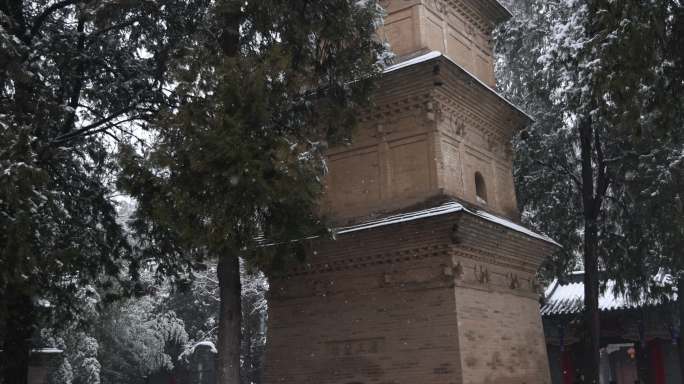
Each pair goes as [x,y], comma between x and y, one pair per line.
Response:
[436,129]
[460,29]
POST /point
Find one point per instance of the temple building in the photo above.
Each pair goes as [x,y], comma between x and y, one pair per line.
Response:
[636,336]
[431,279]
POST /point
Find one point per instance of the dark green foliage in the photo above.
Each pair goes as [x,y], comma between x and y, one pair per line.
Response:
[260,90]
[240,156]
[71,72]
[629,70]
[600,169]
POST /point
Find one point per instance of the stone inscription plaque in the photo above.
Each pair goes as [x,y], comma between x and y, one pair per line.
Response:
[354,347]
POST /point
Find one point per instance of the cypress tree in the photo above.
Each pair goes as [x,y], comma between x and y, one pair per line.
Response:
[261,90]
[599,77]
[72,73]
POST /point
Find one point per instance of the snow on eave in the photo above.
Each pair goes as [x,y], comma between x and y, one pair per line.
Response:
[414,61]
[403,217]
[47,350]
[513,226]
[436,54]
[443,209]
[202,344]
[207,344]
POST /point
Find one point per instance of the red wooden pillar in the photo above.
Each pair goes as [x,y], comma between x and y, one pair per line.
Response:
[567,367]
[656,362]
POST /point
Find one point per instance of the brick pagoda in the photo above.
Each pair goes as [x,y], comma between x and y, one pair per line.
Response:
[430,279]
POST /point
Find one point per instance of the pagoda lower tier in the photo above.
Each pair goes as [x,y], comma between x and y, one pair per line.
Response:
[444,294]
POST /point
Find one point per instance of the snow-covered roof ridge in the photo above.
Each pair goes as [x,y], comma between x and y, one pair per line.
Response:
[436,54]
[564,298]
[47,350]
[505,9]
[443,209]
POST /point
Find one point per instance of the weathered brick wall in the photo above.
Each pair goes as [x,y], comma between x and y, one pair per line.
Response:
[430,130]
[501,338]
[461,29]
[410,303]
[383,311]
[388,335]
[391,163]
[500,331]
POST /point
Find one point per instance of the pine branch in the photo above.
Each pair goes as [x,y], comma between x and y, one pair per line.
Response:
[91,128]
[564,169]
[102,31]
[40,20]
[77,83]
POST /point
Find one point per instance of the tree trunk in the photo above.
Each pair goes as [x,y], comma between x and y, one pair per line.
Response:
[591,207]
[230,319]
[230,315]
[230,289]
[592,319]
[680,304]
[17,343]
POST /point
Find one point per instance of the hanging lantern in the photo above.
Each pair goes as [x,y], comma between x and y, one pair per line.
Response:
[631,352]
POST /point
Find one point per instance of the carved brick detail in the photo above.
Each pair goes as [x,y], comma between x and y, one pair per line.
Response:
[482,274]
[385,112]
[490,258]
[459,117]
[514,283]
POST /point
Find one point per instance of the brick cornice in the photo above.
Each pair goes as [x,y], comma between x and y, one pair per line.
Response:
[482,16]
[390,108]
[366,261]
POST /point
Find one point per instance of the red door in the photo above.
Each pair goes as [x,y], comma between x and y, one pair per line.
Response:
[656,361]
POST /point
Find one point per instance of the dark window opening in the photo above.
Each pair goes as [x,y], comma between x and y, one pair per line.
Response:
[480,188]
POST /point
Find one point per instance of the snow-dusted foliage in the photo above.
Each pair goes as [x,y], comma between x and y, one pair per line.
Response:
[608,65]
[130,340]
[598,169]
[242,156]
[139,340]
[86,366]
[73,75]
[63,374]
[199,308]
